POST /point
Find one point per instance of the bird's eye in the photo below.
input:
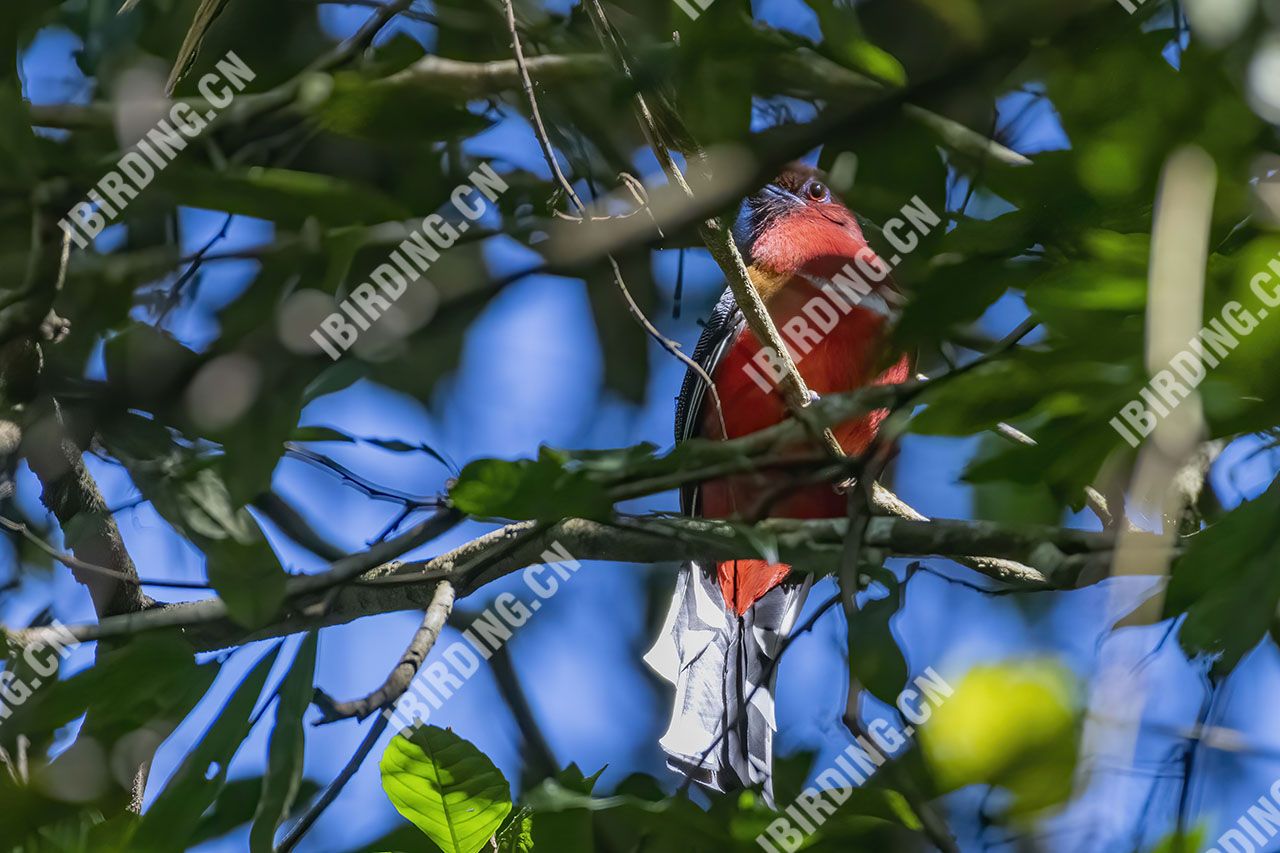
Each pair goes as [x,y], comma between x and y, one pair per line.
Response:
[818,191]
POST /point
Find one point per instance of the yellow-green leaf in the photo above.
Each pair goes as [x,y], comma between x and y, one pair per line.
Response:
[445,787]
[1011,724]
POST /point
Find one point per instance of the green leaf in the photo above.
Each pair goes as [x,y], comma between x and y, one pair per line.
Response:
[143,363]
[1026,503]
[1011,724]
[254,444]
[876,660]
[541,490]
[896,162]
[1227,584]
[950,295]
[398,108]
[790,772]
[403,839]
[165,682]
[241,565]
[844,41]
[288,744]
[445,787]
[22,21]
[714,98]
[238,803]
[567,830]
[335,378]
[180,482]
[1197,838]
[867,818]
[248,579]
[320,433]
[18,144]
[518,836]
[202,506]
[189,493]
[663,820]
[281,195]
[176,812]
[871,819]
[205,15]
[976,401]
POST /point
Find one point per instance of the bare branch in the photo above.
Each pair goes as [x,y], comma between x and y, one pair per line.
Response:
[285,516]
[339,782]
[70,493]
[633,307]
[813,546]
[411,14]
[714,235]
[802,73]
[433,621]
[72,562]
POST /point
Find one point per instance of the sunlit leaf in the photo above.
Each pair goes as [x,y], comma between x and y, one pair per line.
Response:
[1013,725]
[446,787]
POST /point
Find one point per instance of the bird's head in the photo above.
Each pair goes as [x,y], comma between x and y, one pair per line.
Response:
[795,222]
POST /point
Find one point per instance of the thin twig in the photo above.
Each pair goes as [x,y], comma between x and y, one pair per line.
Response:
[286,517]
[174,294]
[411,14]
[548,153]
[339,782]
[72,562]
[670,346]
[362,484]
[361,38]
[540,129]
[542,759]
[716,237]
[860,503]
[433,622]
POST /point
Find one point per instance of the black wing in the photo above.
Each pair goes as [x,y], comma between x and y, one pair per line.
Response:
[719,332]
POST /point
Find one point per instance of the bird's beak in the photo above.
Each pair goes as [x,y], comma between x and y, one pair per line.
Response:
[782,195]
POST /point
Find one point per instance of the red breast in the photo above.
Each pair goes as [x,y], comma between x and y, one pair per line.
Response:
[808,247]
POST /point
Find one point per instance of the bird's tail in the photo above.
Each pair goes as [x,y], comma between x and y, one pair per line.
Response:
[723,668]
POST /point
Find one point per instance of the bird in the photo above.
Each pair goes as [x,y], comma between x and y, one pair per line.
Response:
[834,302]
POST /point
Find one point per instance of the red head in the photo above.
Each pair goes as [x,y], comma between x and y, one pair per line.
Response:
[795,222]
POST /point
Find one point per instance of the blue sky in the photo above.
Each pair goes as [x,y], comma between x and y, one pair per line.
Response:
[579,658]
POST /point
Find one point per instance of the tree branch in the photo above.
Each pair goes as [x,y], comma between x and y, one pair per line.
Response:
[433,622]
[88,527]
[339,782]
[290,522]
[800,73]
[548,153]
[813,546]
[715,236]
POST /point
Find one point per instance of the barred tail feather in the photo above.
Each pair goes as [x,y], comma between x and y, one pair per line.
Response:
[723,669]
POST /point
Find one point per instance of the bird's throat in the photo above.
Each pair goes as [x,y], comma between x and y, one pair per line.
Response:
[767,282]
